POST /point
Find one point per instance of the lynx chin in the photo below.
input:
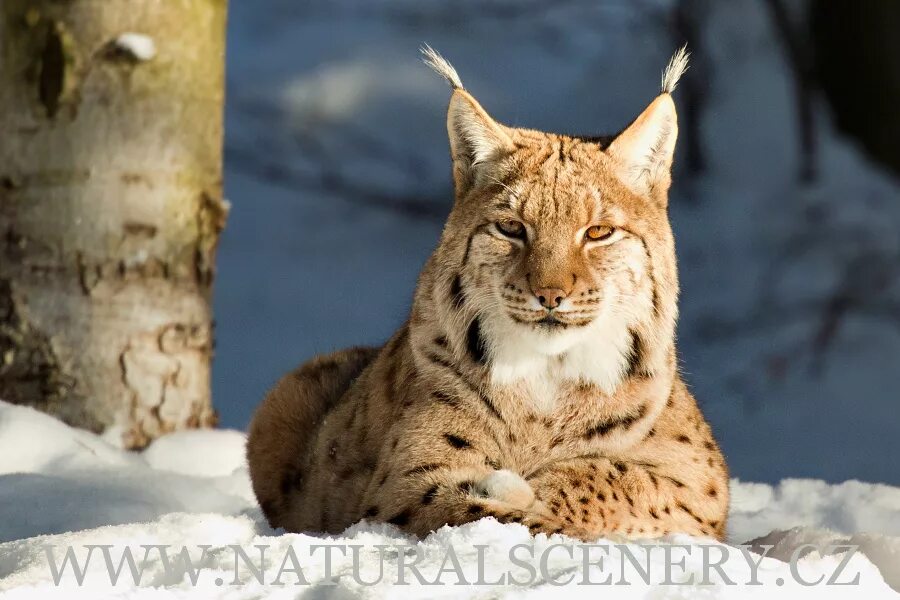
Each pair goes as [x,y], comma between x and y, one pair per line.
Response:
[536,379]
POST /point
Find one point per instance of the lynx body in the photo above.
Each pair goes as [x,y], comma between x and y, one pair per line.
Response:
[536,379]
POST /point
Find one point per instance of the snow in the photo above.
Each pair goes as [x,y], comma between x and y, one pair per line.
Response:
[139,46]
[65,488]
[211,453]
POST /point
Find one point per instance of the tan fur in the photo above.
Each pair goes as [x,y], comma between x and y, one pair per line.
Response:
[482,404]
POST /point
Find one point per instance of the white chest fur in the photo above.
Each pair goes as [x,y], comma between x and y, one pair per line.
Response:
[538,363]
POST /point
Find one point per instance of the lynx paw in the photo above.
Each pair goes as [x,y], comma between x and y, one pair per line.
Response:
[506,486]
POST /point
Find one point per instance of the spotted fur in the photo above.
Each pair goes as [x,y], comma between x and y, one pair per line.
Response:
[487,402]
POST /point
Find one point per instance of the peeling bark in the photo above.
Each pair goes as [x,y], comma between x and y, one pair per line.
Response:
[110,211]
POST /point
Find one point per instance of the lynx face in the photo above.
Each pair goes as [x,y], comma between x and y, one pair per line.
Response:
[557,255]
[561,245]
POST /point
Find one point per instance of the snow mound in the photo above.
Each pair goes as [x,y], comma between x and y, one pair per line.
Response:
[881,549]
[847,507]
[183,513]
[55,479]
[202,453]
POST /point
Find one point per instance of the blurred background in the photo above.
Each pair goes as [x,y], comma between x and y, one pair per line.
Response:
[785,205]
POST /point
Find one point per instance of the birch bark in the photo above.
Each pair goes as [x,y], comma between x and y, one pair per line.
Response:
[110,210]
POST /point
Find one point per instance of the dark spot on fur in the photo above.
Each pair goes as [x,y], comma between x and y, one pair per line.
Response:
[709,446]
[474,509]
[712,492]
[441,341]
[445,398]
[400,519]
[583,500]
[601,497]
[456,292]
[653,513]
[465,486]
[372,511]
[426,468]
[636,366]
[605,427]
[489,405]
[683,439]
[439,360]
[621,467]
[682,507]
[475,343]
[428,496]
[456,441]
[673,481]
[601,429]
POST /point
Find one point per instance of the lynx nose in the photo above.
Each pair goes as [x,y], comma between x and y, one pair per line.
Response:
[550,297]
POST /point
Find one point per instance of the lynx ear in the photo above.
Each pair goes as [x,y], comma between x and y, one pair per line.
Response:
[645,149]
[476,140]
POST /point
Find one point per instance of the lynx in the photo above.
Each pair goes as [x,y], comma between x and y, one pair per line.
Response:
[536,380]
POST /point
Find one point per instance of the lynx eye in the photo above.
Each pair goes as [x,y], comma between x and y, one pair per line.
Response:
[598,233]
[510,228]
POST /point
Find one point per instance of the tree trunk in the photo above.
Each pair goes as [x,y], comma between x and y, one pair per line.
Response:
[110,210]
